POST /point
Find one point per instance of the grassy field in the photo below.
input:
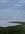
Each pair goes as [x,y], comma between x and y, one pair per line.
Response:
[20,29]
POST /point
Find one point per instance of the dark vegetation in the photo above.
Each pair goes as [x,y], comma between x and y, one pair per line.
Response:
[17,22]
[19,29]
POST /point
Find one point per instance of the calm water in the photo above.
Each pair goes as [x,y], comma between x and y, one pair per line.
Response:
[5,23]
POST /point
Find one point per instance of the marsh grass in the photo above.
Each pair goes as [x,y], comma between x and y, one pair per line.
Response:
[20,29]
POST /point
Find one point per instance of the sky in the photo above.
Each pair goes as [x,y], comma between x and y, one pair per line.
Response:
[12,9]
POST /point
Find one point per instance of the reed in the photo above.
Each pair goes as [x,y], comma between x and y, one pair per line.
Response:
[20,29]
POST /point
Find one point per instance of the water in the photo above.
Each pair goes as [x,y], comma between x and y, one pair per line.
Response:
[5,23]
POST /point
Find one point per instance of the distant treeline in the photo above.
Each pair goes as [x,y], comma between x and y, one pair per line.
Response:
[17,22]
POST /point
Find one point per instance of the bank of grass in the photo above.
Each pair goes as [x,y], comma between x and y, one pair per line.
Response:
[20,29]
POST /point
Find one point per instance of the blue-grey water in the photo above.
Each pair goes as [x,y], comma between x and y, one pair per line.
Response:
[5,23]
[12,9]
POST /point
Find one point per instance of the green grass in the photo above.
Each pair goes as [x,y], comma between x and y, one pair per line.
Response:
[20,29]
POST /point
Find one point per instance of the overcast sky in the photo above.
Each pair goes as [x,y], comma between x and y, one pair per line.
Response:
[12,9]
